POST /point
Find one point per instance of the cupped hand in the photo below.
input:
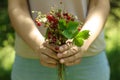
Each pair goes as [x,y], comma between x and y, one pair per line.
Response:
[70,54]
[48,57]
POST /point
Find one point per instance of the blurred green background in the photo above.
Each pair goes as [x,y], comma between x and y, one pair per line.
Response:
[112,36]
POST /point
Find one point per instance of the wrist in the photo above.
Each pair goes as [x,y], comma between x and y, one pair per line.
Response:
[85,46]
[36,44]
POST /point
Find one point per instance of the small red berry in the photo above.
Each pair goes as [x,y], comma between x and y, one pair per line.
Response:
[54,39]
[65,14]
[68,17]
[56,48]
[79,29]
[50,18]
[58,15]
[38,23]
[49,35]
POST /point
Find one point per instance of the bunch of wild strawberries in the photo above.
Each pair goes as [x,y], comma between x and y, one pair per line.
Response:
[51,21]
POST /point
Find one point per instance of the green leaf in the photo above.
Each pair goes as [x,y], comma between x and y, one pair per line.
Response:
[72,26]
[71,30]
[75,32]
[83,34]
[62,24]
[67,34]
[80,37]
[78,41]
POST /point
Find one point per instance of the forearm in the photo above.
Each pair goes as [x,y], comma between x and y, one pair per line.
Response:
[24,25]
[96,18]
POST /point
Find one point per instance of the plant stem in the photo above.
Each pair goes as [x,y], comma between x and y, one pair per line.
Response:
[61,71]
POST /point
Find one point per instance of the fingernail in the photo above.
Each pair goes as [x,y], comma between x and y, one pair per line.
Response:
[62,61]
[61,49]
[59,55]
[65,52]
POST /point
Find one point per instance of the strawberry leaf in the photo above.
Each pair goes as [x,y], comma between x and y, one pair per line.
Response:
[80,37]
[62,24]
[71,30]
[68,34]
[78,41]
[72,26]
[83,34]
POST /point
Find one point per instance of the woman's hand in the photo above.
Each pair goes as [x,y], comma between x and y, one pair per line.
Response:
[48,57]
[70,54]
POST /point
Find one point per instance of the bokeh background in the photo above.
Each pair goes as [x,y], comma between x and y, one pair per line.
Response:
[112,37]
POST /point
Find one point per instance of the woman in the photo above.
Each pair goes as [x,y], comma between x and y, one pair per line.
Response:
[31,48]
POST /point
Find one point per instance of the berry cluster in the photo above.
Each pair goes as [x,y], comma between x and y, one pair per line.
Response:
[61,26]
[51,21]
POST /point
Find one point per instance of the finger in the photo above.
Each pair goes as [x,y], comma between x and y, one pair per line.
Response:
[73,63]
[65,47]
[49,52]
[70,59]
[52,47]
[48,65]
[48,59]
[72,51]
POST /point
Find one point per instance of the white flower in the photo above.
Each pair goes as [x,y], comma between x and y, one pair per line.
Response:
[44,19]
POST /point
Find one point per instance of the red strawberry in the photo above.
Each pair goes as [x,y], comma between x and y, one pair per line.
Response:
[50,18]
[56,48]
[54,39]
[79,29]
[38,23]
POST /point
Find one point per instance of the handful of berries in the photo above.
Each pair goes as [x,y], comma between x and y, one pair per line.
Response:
[61,26]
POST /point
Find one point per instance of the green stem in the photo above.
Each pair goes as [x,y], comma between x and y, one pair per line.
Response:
[61,71]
